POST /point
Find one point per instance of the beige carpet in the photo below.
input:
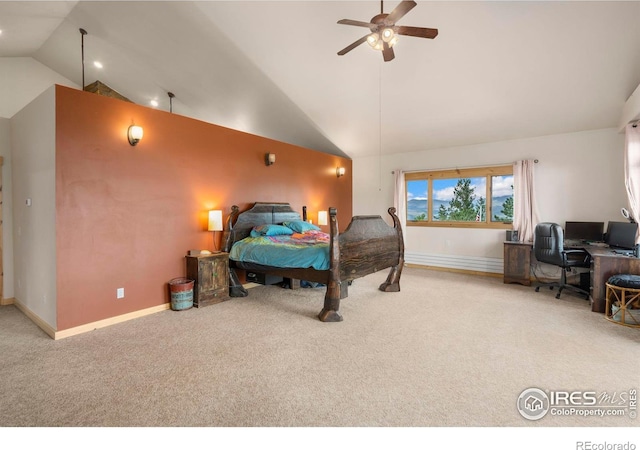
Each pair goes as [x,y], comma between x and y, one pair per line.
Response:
[449,350]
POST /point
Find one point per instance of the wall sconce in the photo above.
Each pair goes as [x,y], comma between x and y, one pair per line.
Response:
[215,224]
[322,217]
[340,171]
[134,134]
[269,158]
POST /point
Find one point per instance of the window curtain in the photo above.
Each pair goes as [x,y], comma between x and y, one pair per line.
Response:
[632,169]
[525,211]
[399,197]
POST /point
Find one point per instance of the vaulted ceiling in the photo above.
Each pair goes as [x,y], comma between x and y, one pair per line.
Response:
[498,70]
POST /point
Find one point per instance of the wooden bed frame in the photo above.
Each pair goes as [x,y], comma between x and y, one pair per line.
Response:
[367,246]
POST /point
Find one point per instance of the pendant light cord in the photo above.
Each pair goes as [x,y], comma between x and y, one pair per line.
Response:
[82,33]
[171,96]
[380,127]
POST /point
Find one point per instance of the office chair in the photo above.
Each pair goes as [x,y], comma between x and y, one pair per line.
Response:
[548,247]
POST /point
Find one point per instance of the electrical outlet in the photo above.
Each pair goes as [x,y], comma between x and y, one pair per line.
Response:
[120,293]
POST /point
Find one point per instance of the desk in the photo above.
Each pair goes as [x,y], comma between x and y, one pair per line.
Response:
[604,263]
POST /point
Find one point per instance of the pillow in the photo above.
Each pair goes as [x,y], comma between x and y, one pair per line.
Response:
[300,226]
[270,229]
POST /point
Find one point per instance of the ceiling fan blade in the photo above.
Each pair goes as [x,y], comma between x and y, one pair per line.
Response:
[387,52]
[429,33]
[356,23]
[399,11]
[352,46]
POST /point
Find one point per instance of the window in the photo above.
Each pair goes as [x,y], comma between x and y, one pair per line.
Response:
[480,197]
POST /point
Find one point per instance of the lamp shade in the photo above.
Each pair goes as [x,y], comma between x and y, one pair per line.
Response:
[388,34]
[269,158]
[134,133]
[373,39]
[322,217]
[215,220]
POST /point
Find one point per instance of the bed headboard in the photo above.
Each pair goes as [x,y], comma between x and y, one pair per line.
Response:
[239,225]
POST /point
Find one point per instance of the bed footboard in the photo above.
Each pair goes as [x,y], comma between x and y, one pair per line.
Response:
[367,246]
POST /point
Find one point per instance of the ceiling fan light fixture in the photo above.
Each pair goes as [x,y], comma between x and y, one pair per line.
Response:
[374,39]
[388,34]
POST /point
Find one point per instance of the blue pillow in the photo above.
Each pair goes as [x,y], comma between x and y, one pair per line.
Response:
[270,229]
[300,226]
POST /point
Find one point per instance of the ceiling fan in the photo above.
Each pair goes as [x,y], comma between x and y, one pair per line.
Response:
[384,31]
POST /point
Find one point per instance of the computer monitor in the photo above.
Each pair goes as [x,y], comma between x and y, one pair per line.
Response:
[621,234]
[585,231]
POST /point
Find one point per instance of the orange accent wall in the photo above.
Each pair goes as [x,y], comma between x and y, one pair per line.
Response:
[126,216]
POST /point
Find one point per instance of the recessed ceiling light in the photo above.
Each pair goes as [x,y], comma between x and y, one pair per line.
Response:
[154,103]
[98,64]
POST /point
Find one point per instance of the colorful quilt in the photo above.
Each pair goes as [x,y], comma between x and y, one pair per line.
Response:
[299,250]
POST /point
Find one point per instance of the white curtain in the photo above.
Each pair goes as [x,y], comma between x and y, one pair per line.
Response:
[399,197]
[525,211]
[632,169]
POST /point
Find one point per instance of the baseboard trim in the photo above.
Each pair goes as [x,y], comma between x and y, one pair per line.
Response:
[449,269]
[111,321]
[7,301]
[44,326]
[56,335]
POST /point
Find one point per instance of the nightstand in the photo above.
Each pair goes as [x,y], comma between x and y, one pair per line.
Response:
[517,262]
[211,275]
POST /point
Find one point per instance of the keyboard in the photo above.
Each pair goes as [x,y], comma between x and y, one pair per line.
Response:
[574,244]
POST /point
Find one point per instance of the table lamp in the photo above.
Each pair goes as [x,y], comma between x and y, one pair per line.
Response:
[215,224]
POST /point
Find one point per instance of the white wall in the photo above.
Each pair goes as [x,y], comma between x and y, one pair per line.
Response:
[579,177]
[631,110]
[33,144]
[7,210]
[23,79]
